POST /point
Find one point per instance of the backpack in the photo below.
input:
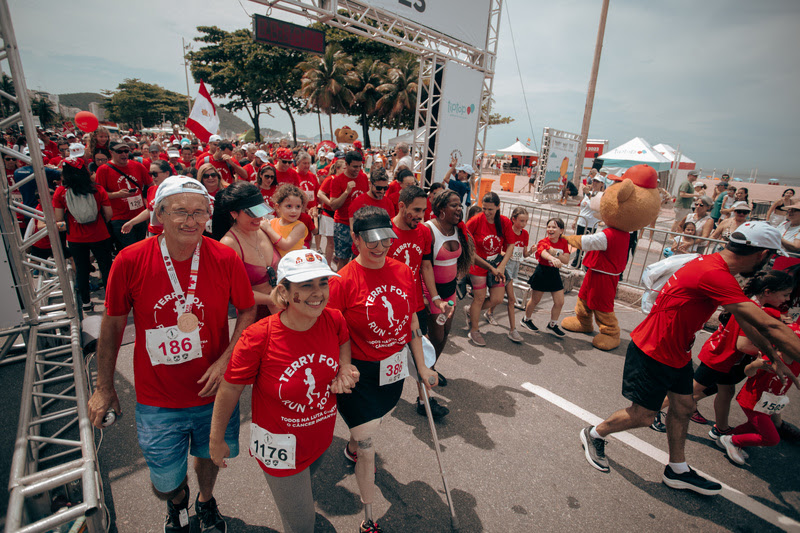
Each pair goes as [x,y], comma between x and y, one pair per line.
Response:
[656,275]
[82,207]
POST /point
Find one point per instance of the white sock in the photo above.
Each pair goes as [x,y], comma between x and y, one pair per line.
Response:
[552,323]
[594,434]
[679,468]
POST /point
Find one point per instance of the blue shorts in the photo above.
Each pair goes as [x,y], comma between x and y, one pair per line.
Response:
[168,436]
[342,240]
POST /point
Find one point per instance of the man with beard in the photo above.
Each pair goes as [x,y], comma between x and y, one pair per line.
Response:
[658,363]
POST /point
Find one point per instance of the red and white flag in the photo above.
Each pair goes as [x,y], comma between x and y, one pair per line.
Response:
[203,121]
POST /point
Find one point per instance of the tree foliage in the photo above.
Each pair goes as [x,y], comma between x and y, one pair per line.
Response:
[250,75]
[7,107]
[399,91]
[145,105]
[43,108]
[326,82]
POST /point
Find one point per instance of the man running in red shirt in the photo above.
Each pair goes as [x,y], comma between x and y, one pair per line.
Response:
[376,195]
[345,187]
[658,363]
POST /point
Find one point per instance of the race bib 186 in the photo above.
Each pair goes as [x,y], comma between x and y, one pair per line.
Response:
[171,346]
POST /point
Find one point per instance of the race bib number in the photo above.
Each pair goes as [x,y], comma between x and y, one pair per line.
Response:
[171,346]
[517,254]
[770,404]
[274,450]
[16,196]
[135,202]
[394,368]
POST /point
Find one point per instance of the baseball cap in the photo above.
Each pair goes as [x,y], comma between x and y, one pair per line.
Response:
[116,145]
[758,234]
[70,135]
[603,170]
[173,153]
[330,156]
[740,206]
[642,175]
[76,150]
[214,139]
[262,155]
[178,185]
[186,142]
[694,173]
[466,168]
[303,265]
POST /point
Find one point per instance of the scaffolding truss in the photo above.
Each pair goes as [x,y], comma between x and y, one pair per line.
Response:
[54,453]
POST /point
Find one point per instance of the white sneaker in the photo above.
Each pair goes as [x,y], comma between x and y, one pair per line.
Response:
[733,452]
[515,336]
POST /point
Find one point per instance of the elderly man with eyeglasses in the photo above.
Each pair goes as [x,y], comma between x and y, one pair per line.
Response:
[126,183]
[178,286]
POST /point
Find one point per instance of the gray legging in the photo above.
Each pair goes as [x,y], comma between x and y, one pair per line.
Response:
[293,497]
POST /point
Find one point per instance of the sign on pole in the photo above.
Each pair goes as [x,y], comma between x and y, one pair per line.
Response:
[559,151]
[287,35]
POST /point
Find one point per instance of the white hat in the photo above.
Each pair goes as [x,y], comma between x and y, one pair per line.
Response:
[303,265]
[466,168]
[740,206]
[214,139]
[173,153]
[329,155]
[758,234]
[180,184]
[76,150]
[262,155]
[70,135]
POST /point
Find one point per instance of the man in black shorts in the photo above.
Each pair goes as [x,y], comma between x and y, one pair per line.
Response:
[659,359]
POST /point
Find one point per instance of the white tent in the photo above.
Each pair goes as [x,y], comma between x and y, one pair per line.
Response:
[635,152]
[671,153]
[406,138]
[518,149]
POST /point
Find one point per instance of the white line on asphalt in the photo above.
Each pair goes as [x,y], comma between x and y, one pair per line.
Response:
[734,496]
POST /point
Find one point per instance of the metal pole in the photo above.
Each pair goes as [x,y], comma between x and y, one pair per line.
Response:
[587,113]
[186,70]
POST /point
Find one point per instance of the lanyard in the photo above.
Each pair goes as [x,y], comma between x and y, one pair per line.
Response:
[184,301]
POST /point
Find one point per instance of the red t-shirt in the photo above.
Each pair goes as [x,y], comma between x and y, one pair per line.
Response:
[306,219]
[685,303]
[287,176]
[520,244]
[325,187]
[268,194]
[251,172]
[113,181]
[377,305]
[487,242]
[44,242]
[290,372]
[394,187]
[151,206]
[309,183]
[429,211]
[226,173]
[139,281]
[765,381]
[93,231]
[365,199]
[409,248]
[546,244]
[338,186]
[719,351]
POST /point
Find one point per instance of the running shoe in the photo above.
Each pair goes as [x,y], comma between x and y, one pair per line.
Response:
[368,526]
[88,307]
[721,446]
[733,452]
[527,323]
[715,433]
[476,338]
[490,319]
[595,450]
[789,432]
[514,336]
[177,520]
[211,521]
[438,411]
[555,330]
[351,456]
[658,422]
[698,418]
[690,480]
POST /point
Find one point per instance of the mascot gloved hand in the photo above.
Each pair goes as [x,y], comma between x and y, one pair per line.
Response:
[625,207]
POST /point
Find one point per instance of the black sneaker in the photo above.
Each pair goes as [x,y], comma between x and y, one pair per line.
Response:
[788,432]
[368,526]
[438,411]
[690,480]
[177,520]
[528,324]
[595,450]
[351,456]
[210,518]
[658,423]
[555,330]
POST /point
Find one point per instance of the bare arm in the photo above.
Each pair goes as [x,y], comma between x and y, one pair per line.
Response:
[415,345]
[105,394]
[426,271]
[108,212]
[297,234]
[126,228]
[707,228]
[337,202]
[773,207]
[224,404]
[791,246]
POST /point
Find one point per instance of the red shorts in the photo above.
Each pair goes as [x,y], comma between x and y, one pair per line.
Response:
[599,291]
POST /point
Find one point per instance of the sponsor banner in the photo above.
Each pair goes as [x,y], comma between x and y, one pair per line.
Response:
[463,20]
[560,160]
[459,110]
[595,147]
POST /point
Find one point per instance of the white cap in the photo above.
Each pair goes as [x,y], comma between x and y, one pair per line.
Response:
[180,184]
[758,234]
[173,153]
[466,168]
[214,139]
[303,265]
[76,150]
[70,135]
[262,155]
[740,206]
[329,155]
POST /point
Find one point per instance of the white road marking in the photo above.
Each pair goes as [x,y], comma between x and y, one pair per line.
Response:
[734,496]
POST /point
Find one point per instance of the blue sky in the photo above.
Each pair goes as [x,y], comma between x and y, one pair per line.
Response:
[719,78]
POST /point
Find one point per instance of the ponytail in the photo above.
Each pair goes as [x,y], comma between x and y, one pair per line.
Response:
[768,280]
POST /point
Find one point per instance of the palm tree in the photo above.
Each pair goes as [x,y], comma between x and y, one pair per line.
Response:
[399,90]
[325,82]
[366,77]
[43,108]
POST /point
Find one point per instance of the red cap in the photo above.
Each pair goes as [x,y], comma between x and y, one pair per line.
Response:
[642,175]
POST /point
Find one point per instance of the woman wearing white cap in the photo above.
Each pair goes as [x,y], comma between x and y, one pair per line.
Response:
[377,296]
[740,213]
[297,361]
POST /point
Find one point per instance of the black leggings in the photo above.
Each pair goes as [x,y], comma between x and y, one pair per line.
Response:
[80,254]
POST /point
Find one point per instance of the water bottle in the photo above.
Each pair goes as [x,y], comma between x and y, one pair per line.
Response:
[442,318]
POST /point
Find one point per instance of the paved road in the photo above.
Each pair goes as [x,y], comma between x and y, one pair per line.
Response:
[513,457]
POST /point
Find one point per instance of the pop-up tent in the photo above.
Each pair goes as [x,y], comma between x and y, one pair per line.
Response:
[635,152]
[518,149]
[672,154]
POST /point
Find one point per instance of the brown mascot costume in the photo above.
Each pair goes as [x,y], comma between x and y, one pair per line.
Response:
[625,207]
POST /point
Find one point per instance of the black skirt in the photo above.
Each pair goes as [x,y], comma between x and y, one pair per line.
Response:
[368,400]
[546,279]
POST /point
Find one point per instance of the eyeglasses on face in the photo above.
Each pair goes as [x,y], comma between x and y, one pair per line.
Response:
[182,216]
[386,243]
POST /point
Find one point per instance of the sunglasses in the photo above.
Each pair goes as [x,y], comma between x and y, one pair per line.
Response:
[154,174]
[270,176]
[380,188]
[122,151]
[210,175]
[741,212]
[287,161]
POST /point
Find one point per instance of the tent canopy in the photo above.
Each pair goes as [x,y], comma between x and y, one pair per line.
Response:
[518,149]
[635,152]
[671,153]
[406,138]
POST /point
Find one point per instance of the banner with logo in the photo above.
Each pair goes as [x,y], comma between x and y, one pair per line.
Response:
[464,20]
[561,155]
[459,110]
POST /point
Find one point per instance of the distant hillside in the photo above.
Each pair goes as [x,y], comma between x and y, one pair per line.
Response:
[227,120]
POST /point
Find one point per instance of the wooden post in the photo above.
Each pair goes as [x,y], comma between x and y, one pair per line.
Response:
[587,113]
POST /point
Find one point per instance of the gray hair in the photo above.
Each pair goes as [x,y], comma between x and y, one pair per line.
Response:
[402,147]
[302,156]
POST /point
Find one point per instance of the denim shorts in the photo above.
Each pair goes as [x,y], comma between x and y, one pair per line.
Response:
[342,240]
[168,436]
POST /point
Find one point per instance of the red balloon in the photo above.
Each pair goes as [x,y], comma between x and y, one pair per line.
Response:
[86,121]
